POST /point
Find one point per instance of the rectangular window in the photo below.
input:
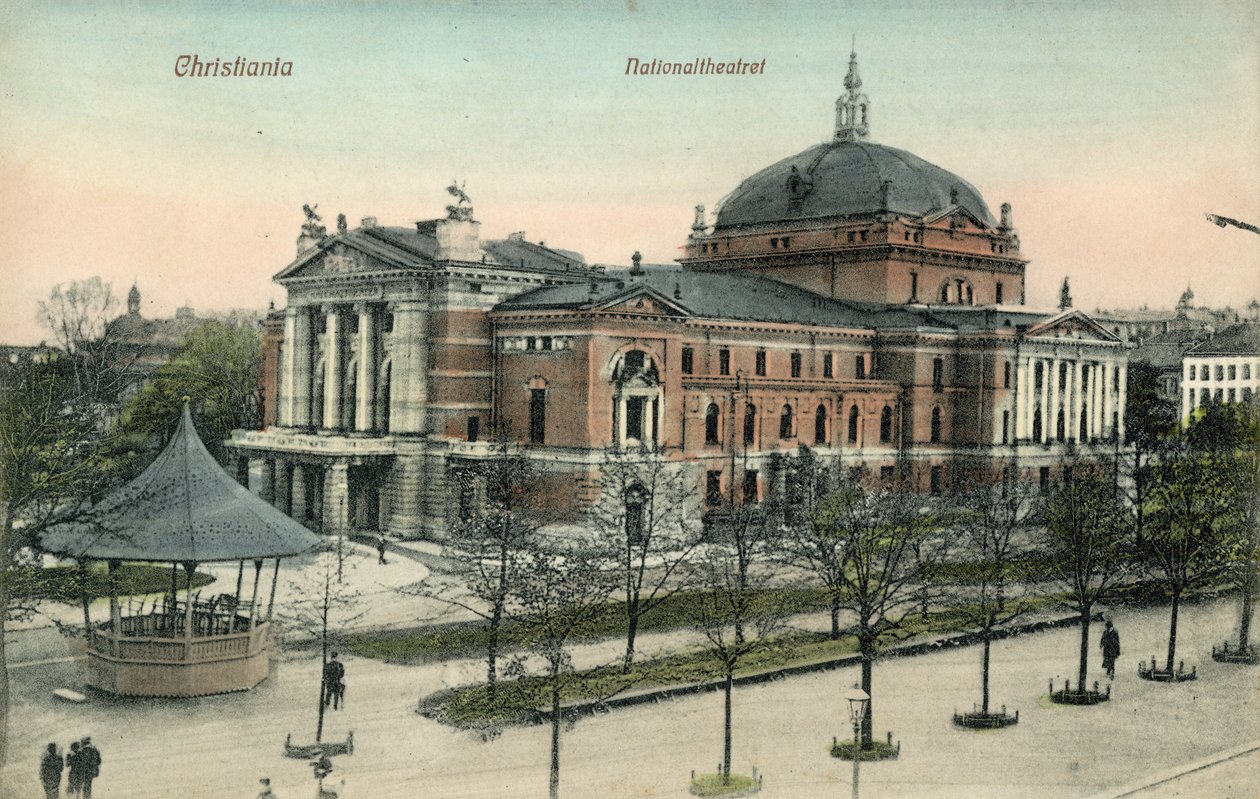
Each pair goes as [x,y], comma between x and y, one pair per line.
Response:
[635,408]
[1006,374]
[546,342]
[796,364]
[935,481]
[713,487]
[1204,372]
[688,360]
[751,491]
[761,363]
[1006,427]
[537,415]
[1233,374]
[474,427]
[1232,396]
[724,361]
[938,374]
[531,343]
[914,286]
[859,367]
[1246,371]
[827,365]
[1220,372]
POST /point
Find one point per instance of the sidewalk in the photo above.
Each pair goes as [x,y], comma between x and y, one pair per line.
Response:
[217,747]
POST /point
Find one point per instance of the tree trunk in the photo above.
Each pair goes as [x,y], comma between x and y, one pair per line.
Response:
[726,726]
[492,650]
[984,675]
[835,618]
[632,629]
[867,662]
[323,693]
[6,566]
[555,733]
[1244,619]
[1083,672]
[1172,631]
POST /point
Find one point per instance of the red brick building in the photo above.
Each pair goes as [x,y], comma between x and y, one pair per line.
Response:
[852,298]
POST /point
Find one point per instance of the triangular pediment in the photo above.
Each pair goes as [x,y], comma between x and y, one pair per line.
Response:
[958,217]
[643,300]
[345,256]
[1071,323]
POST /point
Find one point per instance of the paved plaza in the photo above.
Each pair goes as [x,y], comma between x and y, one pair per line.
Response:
[220,746]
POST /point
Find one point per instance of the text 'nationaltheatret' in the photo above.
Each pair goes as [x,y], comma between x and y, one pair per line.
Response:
[192,66]
[698,66]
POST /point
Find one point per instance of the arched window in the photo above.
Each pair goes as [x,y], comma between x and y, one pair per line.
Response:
[944,295]
[317,398]
[1060,425]
[853,424]
[970,295]
[936,424]
[885,425]
[750,424]
[711,424]
[820,425]
[1036,425]
[785,422]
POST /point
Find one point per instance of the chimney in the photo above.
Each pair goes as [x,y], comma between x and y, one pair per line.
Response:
[458,240]
[368,221]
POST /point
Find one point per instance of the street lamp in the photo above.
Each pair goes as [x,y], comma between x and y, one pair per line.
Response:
[857,699]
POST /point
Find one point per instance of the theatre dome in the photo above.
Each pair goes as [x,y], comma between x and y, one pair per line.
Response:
[849,177]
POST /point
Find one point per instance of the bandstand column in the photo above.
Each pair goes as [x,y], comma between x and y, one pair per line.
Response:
[271,601]
[365,383]
[253,598]
[332,369]
[189,568]
[115,611]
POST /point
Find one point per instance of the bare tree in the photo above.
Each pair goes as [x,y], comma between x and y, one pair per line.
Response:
[818,550]
[559,586]
[990,518]
[877,532]
[77,314]
[1088,540]
[501,517]
[322,604]
[646,507]
[737,611]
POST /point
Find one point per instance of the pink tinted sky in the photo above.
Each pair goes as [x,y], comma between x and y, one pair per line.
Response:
[1111,128]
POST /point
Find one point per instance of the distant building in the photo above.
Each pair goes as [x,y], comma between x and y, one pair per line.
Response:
[1165,351]
[1137,325]
[1222,369]
[852,298]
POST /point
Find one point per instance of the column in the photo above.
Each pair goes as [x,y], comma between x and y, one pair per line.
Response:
[286,410]
[336,499]
[1076,401]
[404,486]
[1120,401]
[267,482]
[332,369]
[365,391]
[297,493]
[1022,385]
[1030,398]
[409,390]
[1050,412]
[283,485]
[300,355]
[1104,379]
[1097,395]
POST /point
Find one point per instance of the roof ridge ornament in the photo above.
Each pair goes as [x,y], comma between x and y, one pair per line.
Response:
[852,108]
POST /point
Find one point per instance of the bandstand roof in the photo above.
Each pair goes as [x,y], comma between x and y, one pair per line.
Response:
[183,508]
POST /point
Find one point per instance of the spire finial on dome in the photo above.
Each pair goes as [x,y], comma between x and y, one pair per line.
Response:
[852,108]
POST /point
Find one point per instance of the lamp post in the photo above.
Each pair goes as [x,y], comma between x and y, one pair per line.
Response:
[857,699]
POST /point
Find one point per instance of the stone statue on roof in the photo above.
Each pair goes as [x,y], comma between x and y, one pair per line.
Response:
[341,223]
[462,210]
[312,226]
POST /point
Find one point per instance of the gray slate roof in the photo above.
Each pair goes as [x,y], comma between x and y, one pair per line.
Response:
[1240,339]
[846,178]
[183,508]
[730,296]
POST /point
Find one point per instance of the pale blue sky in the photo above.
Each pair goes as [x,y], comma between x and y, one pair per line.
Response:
[1110,127]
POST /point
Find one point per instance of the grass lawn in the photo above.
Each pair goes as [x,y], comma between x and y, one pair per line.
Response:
[712,784]
[63,584]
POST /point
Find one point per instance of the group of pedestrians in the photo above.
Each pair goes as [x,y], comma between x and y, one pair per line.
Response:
[83,762]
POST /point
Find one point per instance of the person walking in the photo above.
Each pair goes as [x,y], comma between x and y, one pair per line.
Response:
[50,766]
[380,551]
[90,759]
[74,763]
[1110,649]
[334,682]
[266,792]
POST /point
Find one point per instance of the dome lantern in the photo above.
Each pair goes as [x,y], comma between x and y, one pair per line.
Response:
[852,120]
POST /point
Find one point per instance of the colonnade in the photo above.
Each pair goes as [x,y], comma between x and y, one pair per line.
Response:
[354,368]
[1088,393]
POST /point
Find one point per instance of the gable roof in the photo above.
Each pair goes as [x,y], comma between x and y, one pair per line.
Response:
[1241,339]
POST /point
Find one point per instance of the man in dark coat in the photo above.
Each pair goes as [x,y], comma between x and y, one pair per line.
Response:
[1110,649]
[90,760]
[334,682]
[50,767]
[74,762]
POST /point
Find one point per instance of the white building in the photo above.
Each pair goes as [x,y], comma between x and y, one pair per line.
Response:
[1221,369]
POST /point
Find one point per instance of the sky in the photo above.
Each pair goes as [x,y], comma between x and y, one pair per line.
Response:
[1111,128]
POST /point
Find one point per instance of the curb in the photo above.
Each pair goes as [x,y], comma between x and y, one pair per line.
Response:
[1168,775]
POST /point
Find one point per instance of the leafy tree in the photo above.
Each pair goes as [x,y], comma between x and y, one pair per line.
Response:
[49,463]
[1151,427]
[559,586]
[1195,518]
[991,517]
[646,507]
[735,612]
[1088,540]
[877,532]
[217,366]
